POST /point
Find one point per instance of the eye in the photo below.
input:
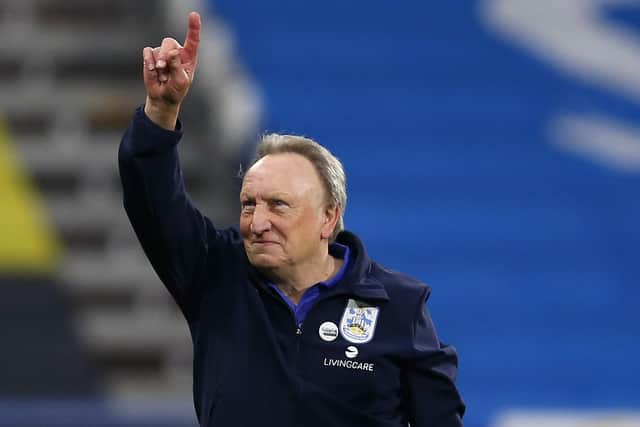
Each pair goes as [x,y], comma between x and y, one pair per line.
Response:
[247,205]
[278,203]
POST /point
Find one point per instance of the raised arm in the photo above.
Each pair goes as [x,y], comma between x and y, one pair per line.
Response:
[175,236]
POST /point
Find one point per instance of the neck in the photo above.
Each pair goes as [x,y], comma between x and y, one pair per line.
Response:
[295,280]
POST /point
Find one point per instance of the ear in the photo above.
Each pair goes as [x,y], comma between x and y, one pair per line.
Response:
[331,216]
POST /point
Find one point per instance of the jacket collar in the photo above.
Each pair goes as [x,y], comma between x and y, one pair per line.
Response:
[358,280]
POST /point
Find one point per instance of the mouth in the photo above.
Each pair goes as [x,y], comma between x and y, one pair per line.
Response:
[264,242]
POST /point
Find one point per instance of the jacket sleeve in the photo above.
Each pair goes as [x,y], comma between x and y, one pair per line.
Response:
[175,236]
[430,392]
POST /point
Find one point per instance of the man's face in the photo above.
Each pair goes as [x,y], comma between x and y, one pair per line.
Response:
[283,211]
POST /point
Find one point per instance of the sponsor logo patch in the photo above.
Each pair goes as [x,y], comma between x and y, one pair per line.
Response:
[348,364]
[351,352]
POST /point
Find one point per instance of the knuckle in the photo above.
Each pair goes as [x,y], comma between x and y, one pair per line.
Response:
[168,42]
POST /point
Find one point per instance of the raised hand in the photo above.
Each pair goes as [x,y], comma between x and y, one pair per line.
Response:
[168,74]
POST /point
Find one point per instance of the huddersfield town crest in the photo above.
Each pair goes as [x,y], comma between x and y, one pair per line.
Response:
[358,322]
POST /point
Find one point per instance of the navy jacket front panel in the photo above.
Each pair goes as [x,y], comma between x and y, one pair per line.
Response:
[252,365]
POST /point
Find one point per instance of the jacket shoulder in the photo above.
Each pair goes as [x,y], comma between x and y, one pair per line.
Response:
[399,285]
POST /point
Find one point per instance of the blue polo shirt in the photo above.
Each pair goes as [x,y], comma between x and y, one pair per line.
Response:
[311,295]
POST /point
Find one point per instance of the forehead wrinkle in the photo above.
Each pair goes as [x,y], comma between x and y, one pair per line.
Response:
[278,168]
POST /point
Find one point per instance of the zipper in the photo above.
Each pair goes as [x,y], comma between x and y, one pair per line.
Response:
[296,353]
[298,326]
[298,338]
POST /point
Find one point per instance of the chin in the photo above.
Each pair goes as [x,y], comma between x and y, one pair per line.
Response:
[264,261]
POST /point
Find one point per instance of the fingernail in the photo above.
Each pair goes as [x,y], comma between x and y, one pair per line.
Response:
[161,63]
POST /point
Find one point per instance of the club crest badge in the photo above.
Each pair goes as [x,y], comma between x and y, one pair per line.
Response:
[358,322]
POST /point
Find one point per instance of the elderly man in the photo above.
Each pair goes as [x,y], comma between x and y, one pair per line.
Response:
[292,323]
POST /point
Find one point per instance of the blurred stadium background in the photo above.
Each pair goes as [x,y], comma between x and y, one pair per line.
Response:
[492,149]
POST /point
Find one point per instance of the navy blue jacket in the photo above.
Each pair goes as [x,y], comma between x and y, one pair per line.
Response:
[252,365]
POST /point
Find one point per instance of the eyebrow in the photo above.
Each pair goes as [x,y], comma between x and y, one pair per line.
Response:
[274,195]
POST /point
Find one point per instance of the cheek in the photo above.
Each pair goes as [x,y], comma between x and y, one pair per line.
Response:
[245,225]
[307,225]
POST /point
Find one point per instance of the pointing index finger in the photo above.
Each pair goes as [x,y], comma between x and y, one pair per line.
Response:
[193,35]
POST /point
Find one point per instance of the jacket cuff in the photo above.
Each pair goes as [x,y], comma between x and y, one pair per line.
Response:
[149,138]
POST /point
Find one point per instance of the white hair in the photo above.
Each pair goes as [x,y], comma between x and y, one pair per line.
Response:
[326,164]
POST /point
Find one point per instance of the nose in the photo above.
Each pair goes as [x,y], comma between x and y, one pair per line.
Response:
[260,221]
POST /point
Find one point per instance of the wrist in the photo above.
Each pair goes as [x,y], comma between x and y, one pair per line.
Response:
[162,114]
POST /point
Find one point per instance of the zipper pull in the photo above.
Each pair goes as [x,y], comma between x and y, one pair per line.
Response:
[299,329]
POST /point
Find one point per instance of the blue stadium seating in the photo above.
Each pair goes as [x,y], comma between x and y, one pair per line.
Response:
[531,252]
